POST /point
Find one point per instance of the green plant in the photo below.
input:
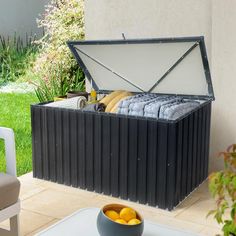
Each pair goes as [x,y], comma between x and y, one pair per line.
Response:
[56,67]
[59,84]
[222,185]
[16,57]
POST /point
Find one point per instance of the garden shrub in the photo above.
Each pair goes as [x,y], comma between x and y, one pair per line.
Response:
[222,185]
[57,70]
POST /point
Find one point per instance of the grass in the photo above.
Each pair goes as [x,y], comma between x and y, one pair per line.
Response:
[15,113]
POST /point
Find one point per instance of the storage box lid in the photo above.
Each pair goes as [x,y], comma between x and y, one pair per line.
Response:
[166,66]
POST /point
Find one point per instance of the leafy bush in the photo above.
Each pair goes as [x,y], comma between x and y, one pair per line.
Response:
[57,69]
[16,57]
[222,185]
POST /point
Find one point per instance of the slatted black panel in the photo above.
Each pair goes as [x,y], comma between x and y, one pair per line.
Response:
[59,146]
[34,143]
[203,150]
[124,144]
[142,162]
[106,155]
[162,164]
[152,163]
[81,143]
[185,158]
[37,142]
[190,153]
[115,149]
[89,134]
[195,146]
[179,161]
[51,145]
[171,166]
[66,148]
[199,146]
[98,153]
[73,148]
[203,142]
[133,159]
[45,143]
[207,144]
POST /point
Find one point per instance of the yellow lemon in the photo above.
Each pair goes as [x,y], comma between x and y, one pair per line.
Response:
[121,221]
[127,214]
[113,215]
[134,222]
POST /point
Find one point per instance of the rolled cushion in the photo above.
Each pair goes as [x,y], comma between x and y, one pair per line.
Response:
[9,190]
[100,107]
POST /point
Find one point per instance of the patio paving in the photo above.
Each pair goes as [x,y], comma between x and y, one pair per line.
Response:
[44,203]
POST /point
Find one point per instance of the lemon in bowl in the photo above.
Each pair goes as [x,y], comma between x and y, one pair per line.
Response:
[117,220]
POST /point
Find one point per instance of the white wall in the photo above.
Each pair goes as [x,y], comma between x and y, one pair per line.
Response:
[107,19]
[150,18]
[224,75]
[20,16]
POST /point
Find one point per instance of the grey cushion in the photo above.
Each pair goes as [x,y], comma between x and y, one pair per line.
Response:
[9,190]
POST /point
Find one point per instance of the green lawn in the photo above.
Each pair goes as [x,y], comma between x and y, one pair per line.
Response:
[15,113]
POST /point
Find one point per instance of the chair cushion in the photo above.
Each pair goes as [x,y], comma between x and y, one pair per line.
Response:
[9,190]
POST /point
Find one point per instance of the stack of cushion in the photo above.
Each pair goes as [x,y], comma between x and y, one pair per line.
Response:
[156,106]
[148,105]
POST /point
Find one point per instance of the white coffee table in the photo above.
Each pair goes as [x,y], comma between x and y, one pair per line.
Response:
[83,223]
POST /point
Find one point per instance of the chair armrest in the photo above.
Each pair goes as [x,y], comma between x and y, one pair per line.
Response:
[8,136]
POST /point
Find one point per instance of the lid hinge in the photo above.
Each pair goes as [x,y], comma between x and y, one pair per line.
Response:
[123,36]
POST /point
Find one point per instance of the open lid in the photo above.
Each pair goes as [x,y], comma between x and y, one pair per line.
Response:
[167,66]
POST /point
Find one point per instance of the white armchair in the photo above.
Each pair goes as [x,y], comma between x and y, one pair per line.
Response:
[9,186]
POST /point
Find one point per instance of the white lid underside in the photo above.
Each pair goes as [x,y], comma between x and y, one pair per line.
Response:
[143,65]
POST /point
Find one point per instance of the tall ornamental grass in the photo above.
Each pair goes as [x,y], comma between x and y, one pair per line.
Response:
[16,57]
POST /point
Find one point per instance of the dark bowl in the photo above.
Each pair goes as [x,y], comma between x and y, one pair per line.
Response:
[108,227]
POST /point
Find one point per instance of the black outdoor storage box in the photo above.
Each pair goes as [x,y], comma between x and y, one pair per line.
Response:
[151,161]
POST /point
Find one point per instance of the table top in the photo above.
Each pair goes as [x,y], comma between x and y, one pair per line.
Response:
[84,222]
